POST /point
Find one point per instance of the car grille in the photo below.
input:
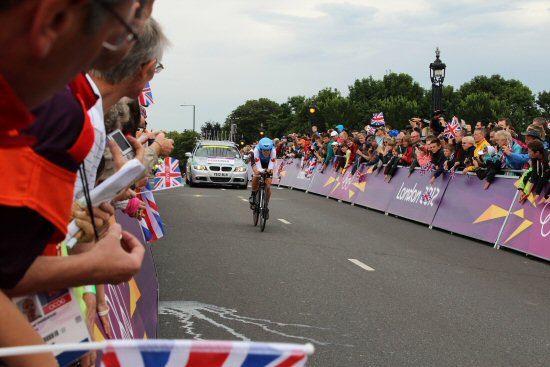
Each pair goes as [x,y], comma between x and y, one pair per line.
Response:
[227,169]
[220,179]
[214,168]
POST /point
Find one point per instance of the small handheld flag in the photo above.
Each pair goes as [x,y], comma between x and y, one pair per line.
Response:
[378,119]
[168,175]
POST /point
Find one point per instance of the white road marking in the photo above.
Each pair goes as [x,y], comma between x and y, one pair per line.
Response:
[284,221]
[245,200]
[361,265]
[198,196]
[223,189]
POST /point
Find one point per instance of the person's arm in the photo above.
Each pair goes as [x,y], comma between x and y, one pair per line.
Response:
[272,160]
[111,261]
[257,161]
[16,331]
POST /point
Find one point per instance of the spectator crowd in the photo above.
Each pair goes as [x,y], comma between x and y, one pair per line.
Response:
[71,73]
[432,147]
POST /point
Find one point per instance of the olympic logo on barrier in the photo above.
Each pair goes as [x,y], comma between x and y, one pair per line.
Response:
[544,221]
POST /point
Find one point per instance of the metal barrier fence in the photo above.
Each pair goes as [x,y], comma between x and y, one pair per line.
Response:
[456,203]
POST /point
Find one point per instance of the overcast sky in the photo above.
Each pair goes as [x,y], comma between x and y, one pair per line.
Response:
[226,52]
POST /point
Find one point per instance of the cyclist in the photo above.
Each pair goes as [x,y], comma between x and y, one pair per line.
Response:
[265,156]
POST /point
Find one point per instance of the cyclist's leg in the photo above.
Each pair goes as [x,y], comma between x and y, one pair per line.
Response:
[255,184]
[268,188]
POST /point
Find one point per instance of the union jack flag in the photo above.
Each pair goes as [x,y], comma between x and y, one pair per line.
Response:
[311,167]
[371,130]
[378,119]
[452,128]
[146,96]
[427,197]
[168,175]
[187,353]
[426,168]
[152,226]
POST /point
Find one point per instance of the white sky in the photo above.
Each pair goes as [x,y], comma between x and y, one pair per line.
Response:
[226,52]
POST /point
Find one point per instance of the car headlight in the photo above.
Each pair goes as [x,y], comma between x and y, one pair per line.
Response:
[200,168]
[240,169]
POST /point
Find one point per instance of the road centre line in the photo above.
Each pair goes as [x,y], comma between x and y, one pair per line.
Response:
[361,265]
[284,221]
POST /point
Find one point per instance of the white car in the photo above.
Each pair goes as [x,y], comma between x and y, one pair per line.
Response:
[216,163]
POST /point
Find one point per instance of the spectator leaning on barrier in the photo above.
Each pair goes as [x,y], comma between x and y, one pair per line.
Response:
[519,160]
[41,45]
[437,158]
[129,77]
[544,124]
[537,177]
[330,150]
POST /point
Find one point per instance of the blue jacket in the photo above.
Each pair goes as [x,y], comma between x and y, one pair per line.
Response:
[512,161]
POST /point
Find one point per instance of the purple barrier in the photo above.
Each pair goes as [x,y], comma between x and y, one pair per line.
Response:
[276,176]
[469,210]
[346,187]
[372,191]
[528,229]
[414,198]
[133,305]
[299,177]
[322,183]
[282,171]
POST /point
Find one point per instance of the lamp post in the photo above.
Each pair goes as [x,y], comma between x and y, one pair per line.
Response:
[437,76]
[194,107]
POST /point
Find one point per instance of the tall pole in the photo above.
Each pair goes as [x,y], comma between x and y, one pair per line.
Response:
[437,76]
[194,110]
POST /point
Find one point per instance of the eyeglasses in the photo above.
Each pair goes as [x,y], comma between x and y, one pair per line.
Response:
[129,34]
[159,67]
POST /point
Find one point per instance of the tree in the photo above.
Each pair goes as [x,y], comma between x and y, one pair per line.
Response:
[183,142]
[252,117]
[481,105]
[211,130]
[398,110]
[516,100]
[543,101]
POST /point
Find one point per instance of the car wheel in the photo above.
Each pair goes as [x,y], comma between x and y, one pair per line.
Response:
[243,187]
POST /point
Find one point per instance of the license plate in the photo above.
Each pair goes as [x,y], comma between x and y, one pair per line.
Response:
[220,174]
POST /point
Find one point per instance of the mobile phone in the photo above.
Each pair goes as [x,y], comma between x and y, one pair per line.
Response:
[118,137]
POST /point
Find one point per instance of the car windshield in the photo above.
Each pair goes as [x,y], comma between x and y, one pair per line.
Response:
[217,151]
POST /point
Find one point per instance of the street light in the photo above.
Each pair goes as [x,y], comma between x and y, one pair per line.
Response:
[190,105]
[437,76]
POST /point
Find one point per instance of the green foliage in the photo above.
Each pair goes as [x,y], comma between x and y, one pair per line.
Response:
[543,101]
[399,97]
[183,142]
[252,117]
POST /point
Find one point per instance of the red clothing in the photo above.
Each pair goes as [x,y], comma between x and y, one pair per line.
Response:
[353,155]
[14,116]
[408,156]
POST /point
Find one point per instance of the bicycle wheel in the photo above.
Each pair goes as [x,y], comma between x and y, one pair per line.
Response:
[263,218]
[256,211]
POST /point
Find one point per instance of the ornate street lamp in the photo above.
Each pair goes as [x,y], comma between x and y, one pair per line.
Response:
[437,75]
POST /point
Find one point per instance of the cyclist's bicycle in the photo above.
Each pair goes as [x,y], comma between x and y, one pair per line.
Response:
[260,211]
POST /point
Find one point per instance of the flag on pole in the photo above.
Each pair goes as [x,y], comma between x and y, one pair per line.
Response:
[378,119]
[426,168]
[146,96]
[183,353]
[168,175]
[452,128]
[151,223]
[311,167]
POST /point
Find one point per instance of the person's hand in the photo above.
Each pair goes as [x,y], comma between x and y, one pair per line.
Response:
[269,171]
[432,180]
[506,150]
[523,197]
[410,173]
[118,159]
[103,313]
[166,145]
[118,256]
[102,214]
[125,195]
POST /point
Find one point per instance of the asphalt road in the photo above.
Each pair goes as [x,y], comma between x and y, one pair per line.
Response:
[433,299]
